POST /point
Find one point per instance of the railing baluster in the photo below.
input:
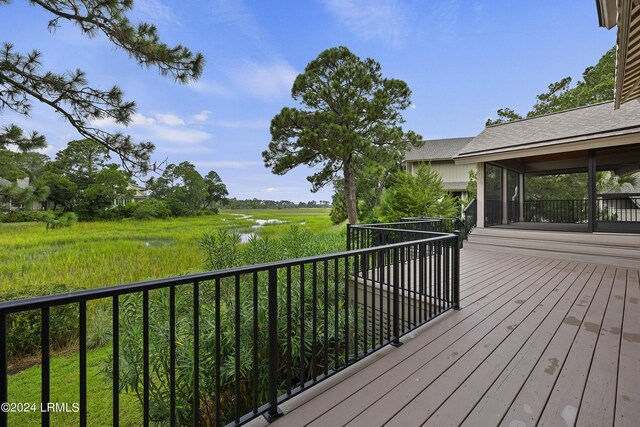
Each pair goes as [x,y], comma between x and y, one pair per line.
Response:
[302,325]
[346,309]
[289,329]
[196,353]
[4,366]
[396,298]
[355,308]
[336,315]
[83,362]
[314,321]
[365,319]
[254,379]
[325,300]
[218,352]
[237,349]
[115,322]
[145,353]
[172,356]
[45,374]
[273,412]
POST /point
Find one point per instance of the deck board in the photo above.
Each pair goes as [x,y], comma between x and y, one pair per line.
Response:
[520,351]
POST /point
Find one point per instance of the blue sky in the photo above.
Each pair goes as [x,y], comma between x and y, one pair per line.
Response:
[462,60]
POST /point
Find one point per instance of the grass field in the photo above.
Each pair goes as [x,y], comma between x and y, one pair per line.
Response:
[94,254]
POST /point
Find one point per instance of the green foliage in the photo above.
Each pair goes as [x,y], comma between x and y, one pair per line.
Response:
[62,191]
[350,116]
[57,219]
[185,191]
[216,190]
[24,327]
[338,212]
[70,94]
[596,86]
[224,250]
[12,135]
[151,208]
[422,194]
[505,115]
[472,185]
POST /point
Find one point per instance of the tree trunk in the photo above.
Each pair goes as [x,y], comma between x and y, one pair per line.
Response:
[350,193]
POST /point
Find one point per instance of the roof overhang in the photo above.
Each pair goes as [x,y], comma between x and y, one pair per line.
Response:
[545,149]
[626,15]
[607,13]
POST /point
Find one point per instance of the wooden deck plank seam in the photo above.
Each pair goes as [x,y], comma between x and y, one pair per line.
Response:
[538,266]
[526,341]
[468,332]
[524,319]
[559,369]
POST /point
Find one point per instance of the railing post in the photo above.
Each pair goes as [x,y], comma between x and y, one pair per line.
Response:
[396,298]
[348,237]
[273,412]
[4,365]
[456,271]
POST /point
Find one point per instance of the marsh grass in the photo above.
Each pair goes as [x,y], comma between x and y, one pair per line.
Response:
[96,254]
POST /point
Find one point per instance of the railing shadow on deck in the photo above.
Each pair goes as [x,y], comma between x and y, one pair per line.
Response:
[261,334]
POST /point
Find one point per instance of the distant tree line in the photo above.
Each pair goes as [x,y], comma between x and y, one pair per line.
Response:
[81,179]
[273,204]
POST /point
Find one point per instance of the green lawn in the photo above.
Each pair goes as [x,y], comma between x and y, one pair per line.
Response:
[95,254]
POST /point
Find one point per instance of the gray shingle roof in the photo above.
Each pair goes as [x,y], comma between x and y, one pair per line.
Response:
[437,149]
[579,124]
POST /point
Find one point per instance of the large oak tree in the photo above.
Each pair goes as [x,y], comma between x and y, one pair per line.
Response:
[349,114]
[23,80]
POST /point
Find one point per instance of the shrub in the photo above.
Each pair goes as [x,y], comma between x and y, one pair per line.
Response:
[151,208]
[20,216]
[58,219]
[24,327]
[223,250]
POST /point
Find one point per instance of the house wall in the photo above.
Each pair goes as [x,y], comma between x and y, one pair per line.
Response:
[449,171]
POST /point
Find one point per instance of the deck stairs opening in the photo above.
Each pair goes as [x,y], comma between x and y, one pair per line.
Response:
[605,248]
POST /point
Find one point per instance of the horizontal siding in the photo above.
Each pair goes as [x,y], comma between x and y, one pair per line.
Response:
[449,171]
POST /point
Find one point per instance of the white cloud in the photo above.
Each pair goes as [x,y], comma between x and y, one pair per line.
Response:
[228,164]
[266,81]
[139,119]
[270,190]
[180,135]
[371,19]
[187,149]
[236,14]
[136,119]
[200,117]
[413,106]
[242,124]
[154,11]
[169,119]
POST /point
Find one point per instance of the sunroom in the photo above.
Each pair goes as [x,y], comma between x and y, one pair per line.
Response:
[574,171]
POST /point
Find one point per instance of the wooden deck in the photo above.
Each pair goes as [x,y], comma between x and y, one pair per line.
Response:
[538,341]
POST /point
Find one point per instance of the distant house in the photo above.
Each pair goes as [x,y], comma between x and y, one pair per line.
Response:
[7,204]
[139,195]
[440,153]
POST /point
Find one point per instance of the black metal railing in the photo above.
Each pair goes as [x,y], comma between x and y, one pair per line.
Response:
[439,225]
[618,207]
[227,346]
[469,218]
[557,211]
